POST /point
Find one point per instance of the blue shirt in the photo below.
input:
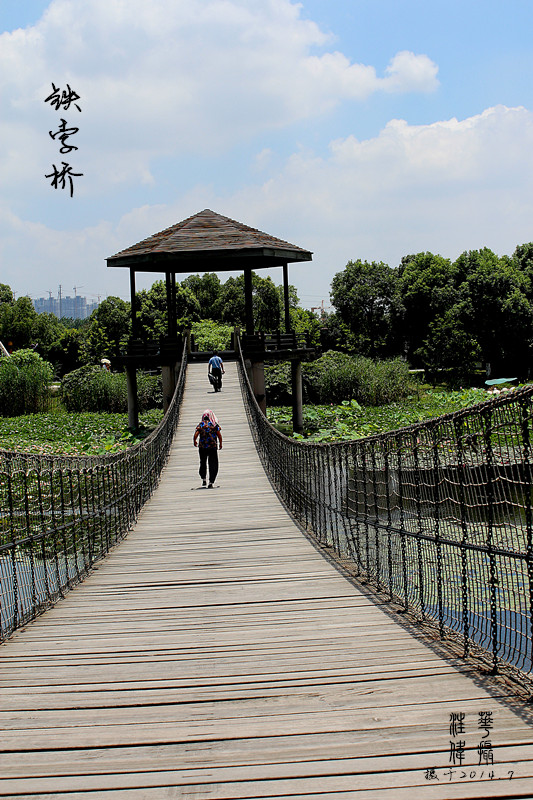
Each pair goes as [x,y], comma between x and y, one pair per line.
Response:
[216,362]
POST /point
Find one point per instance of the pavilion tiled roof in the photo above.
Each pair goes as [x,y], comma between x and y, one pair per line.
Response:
[208,234]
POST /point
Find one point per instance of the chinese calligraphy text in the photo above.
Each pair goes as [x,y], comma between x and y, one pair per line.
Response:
[62,176]
[468,757]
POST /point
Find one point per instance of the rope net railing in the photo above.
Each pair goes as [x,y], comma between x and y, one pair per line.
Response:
[59,515]
[437,515]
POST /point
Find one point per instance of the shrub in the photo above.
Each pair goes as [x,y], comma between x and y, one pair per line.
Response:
[330,378]
[149,391]
[92,388]
[379,383]
[339,382]
[335,377]
[24,383]
[209,335]
[278,384]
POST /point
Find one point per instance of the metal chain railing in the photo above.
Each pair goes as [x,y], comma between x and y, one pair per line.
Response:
[58,515]
[438,515]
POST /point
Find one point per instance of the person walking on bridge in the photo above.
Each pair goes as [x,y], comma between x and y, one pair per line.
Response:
[216,369]
[210,438]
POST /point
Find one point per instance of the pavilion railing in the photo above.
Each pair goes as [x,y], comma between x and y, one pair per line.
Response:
[59,515]
[437,515]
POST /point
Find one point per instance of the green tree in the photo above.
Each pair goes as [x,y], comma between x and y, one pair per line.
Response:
[95,344]
[113,316]
[306,322]
[207,290]
[152,310]
[187,308]
[499,312]
[428,285]
[365,295]
[265,302]
[335,333]
[47,332]
[523,259]
[450,346]
[232,301]
[6,295]
[267,307]
[16,322]
[70,355]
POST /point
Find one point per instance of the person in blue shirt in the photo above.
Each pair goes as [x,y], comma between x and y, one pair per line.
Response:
[216,369]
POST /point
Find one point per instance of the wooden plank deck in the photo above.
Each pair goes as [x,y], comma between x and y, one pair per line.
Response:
[216,654]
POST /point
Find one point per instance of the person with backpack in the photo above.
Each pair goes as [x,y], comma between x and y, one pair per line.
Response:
[215,370]
[208,439]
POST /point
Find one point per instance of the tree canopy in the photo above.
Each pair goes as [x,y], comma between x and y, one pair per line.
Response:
[437,313]
[365,296]
[442,314]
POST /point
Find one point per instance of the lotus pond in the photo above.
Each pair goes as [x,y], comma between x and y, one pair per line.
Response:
[73,434]
[349,420]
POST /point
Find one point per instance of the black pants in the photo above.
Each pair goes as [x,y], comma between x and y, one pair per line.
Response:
[208,454]
[216,372]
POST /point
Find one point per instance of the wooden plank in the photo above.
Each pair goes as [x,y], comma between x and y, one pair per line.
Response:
[237,781]
[215,653]
[283,753]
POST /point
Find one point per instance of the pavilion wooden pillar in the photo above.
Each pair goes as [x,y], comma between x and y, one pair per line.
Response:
[248,302]
[297,397]
[286,297]
[168,371]
[131,372]
[258,383]
[134,326]
[170,282]
[296,366]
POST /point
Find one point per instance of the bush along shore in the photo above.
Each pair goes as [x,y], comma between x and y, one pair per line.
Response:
[350,397]
[349,420]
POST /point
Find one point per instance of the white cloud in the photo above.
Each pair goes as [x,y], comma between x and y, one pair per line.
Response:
[445,187]
[335,77]
[172,79]
[175,77]
[408,72]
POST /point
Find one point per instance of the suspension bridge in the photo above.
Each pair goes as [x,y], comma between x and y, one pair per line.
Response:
[220,651]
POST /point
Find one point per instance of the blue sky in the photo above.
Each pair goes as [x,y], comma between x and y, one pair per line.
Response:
[357,129]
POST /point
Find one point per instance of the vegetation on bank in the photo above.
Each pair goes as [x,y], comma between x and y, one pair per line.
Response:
[436,314]
[24,383]
[451,319]
[349,420]
[336,376]
[92,388]
[350,397]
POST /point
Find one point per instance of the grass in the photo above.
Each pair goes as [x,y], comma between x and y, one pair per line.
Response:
[349,420]
[63,433]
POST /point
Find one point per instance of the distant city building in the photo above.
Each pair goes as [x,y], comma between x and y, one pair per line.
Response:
[75,307]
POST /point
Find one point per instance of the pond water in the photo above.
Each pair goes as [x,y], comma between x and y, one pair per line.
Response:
[37,584]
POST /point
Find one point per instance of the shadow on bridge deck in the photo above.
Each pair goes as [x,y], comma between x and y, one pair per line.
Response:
[215,653]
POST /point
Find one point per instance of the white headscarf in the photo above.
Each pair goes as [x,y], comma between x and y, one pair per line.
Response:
[208,414]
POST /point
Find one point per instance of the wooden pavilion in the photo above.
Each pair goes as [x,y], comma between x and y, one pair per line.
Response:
[205,242]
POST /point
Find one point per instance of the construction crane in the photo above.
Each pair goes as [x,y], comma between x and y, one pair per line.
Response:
[76,287]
